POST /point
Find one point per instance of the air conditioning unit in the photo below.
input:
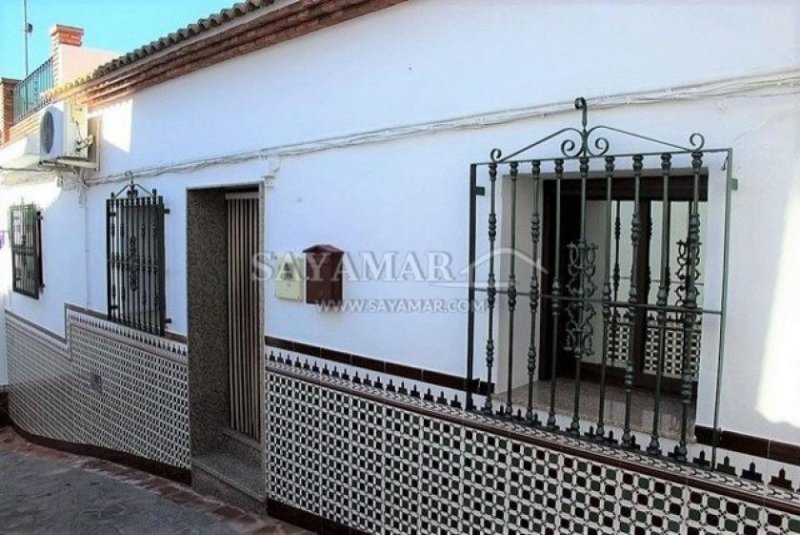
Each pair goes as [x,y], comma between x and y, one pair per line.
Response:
[64,135]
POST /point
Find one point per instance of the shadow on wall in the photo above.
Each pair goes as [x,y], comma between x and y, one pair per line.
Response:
[116,136]
[778,397]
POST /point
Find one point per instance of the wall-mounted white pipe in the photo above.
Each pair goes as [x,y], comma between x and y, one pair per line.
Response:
[783,82]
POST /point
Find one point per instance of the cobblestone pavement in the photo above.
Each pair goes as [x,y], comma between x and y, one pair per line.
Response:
[46,491]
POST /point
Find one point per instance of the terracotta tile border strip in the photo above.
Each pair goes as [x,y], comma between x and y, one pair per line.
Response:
[750,445]
[173,473]
[310,521]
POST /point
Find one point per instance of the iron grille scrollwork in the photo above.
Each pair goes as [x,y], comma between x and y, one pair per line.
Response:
[135,259]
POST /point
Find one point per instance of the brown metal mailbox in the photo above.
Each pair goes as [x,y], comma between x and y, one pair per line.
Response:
[323,275]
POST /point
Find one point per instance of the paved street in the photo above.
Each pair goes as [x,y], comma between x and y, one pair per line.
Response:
[50,492]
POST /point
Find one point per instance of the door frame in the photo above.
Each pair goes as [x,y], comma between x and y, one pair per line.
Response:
[207,320]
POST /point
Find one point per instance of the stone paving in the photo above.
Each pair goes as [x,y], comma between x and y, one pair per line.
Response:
[45,491]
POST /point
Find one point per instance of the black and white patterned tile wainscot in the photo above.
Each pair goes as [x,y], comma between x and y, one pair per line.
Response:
[105,385]
[391,463]
[41,382]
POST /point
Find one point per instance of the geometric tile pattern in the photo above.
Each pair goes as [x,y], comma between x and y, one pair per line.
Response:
[378,461]
[140,405]
[672,362]
[108,386]
[41,383]
[280,428]
[413,472]
[440,477]
[402,456]
[367,423]
[335,455]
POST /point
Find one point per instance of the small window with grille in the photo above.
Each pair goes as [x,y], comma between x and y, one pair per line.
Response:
[25,233]
[135,259]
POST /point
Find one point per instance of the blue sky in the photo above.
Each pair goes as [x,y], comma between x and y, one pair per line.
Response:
[117,25]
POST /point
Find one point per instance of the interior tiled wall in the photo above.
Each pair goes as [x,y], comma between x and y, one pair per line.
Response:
[105,385]
[336,450]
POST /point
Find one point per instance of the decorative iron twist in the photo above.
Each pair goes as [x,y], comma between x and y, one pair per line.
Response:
[587,141]
[581,287]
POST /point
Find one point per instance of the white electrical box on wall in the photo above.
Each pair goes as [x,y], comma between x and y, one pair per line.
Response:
[290,277]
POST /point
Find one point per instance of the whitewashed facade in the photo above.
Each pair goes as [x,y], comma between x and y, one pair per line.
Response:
[361,136]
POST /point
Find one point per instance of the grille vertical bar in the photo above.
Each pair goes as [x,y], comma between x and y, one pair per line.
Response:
[633,298]
[690,303]
[491,288]
[556,295]
[511,292]
[608,326]
[654,447]
[532,417]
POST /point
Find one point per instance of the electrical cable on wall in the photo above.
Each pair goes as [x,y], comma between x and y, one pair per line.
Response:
[782,83]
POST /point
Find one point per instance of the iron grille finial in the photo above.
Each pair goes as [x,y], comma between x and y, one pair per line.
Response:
[585,142]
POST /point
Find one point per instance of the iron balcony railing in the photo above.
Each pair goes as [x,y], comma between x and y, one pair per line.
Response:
[29,93]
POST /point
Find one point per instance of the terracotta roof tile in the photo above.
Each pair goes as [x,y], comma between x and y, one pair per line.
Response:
[178,36]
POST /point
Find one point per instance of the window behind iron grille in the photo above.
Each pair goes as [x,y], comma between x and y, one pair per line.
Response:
[135,260]
[25,230]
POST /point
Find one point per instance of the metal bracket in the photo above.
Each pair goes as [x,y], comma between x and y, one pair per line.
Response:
[479,191]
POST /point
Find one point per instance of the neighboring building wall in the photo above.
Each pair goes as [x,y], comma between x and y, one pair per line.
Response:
[6,108]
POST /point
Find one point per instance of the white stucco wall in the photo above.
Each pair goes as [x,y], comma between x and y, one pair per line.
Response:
[63,245]
[436,60]
[77,61]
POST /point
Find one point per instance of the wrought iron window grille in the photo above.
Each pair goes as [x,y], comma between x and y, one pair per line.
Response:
[25,235]
[572,296]
[135,277]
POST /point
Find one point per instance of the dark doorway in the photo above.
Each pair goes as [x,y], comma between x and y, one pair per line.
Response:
[640,334]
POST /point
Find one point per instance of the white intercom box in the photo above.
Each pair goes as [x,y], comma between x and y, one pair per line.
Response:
[290,277]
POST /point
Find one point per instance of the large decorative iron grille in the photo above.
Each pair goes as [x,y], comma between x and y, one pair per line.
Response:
[613,276]
[25,229]
[135,259]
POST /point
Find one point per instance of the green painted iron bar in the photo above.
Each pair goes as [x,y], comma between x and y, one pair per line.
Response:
[511,292]
[556,304]
[633,298]
[491,289]
[530,416]
[654,448]
[607,297]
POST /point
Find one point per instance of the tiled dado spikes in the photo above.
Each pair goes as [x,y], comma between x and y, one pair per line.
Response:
[725,467]
[366,381]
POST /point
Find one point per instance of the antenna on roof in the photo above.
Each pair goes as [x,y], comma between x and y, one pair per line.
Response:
[28,29]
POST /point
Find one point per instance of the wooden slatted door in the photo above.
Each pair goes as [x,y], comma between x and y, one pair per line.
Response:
[244,314]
